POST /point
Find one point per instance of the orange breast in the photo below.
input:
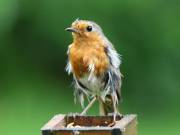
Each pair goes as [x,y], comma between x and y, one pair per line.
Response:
[84,54]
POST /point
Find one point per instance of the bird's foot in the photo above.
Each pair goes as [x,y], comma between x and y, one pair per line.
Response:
[70,125]
[116,116]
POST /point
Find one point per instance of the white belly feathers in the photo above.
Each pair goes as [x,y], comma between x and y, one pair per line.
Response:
[93,83]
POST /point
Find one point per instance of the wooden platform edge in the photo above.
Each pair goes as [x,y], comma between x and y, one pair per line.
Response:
[126,126]
[54,122]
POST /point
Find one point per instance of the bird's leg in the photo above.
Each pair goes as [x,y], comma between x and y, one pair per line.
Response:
[101,107]
[114,114]
[89,105]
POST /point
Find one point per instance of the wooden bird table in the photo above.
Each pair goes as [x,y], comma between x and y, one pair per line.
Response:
[90,125]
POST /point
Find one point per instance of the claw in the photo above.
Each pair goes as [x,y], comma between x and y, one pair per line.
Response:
[115,114]
[70,125]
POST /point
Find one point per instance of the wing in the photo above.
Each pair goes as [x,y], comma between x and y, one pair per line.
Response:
[114,76]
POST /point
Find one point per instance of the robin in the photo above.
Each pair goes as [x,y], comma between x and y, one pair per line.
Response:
[94,63]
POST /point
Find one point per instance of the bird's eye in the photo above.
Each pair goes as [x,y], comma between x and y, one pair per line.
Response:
[89,28]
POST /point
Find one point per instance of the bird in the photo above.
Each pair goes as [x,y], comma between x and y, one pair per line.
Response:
[95,66]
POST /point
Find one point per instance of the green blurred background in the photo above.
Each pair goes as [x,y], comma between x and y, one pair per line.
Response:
[34,85]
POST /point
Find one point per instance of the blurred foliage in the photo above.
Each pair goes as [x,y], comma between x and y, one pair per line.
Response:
[33,44]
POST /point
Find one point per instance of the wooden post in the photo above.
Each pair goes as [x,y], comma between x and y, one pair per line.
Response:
[90,125]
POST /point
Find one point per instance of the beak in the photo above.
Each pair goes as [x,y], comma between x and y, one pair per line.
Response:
[72,30]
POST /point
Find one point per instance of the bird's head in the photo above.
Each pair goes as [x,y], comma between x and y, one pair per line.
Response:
[84,29]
